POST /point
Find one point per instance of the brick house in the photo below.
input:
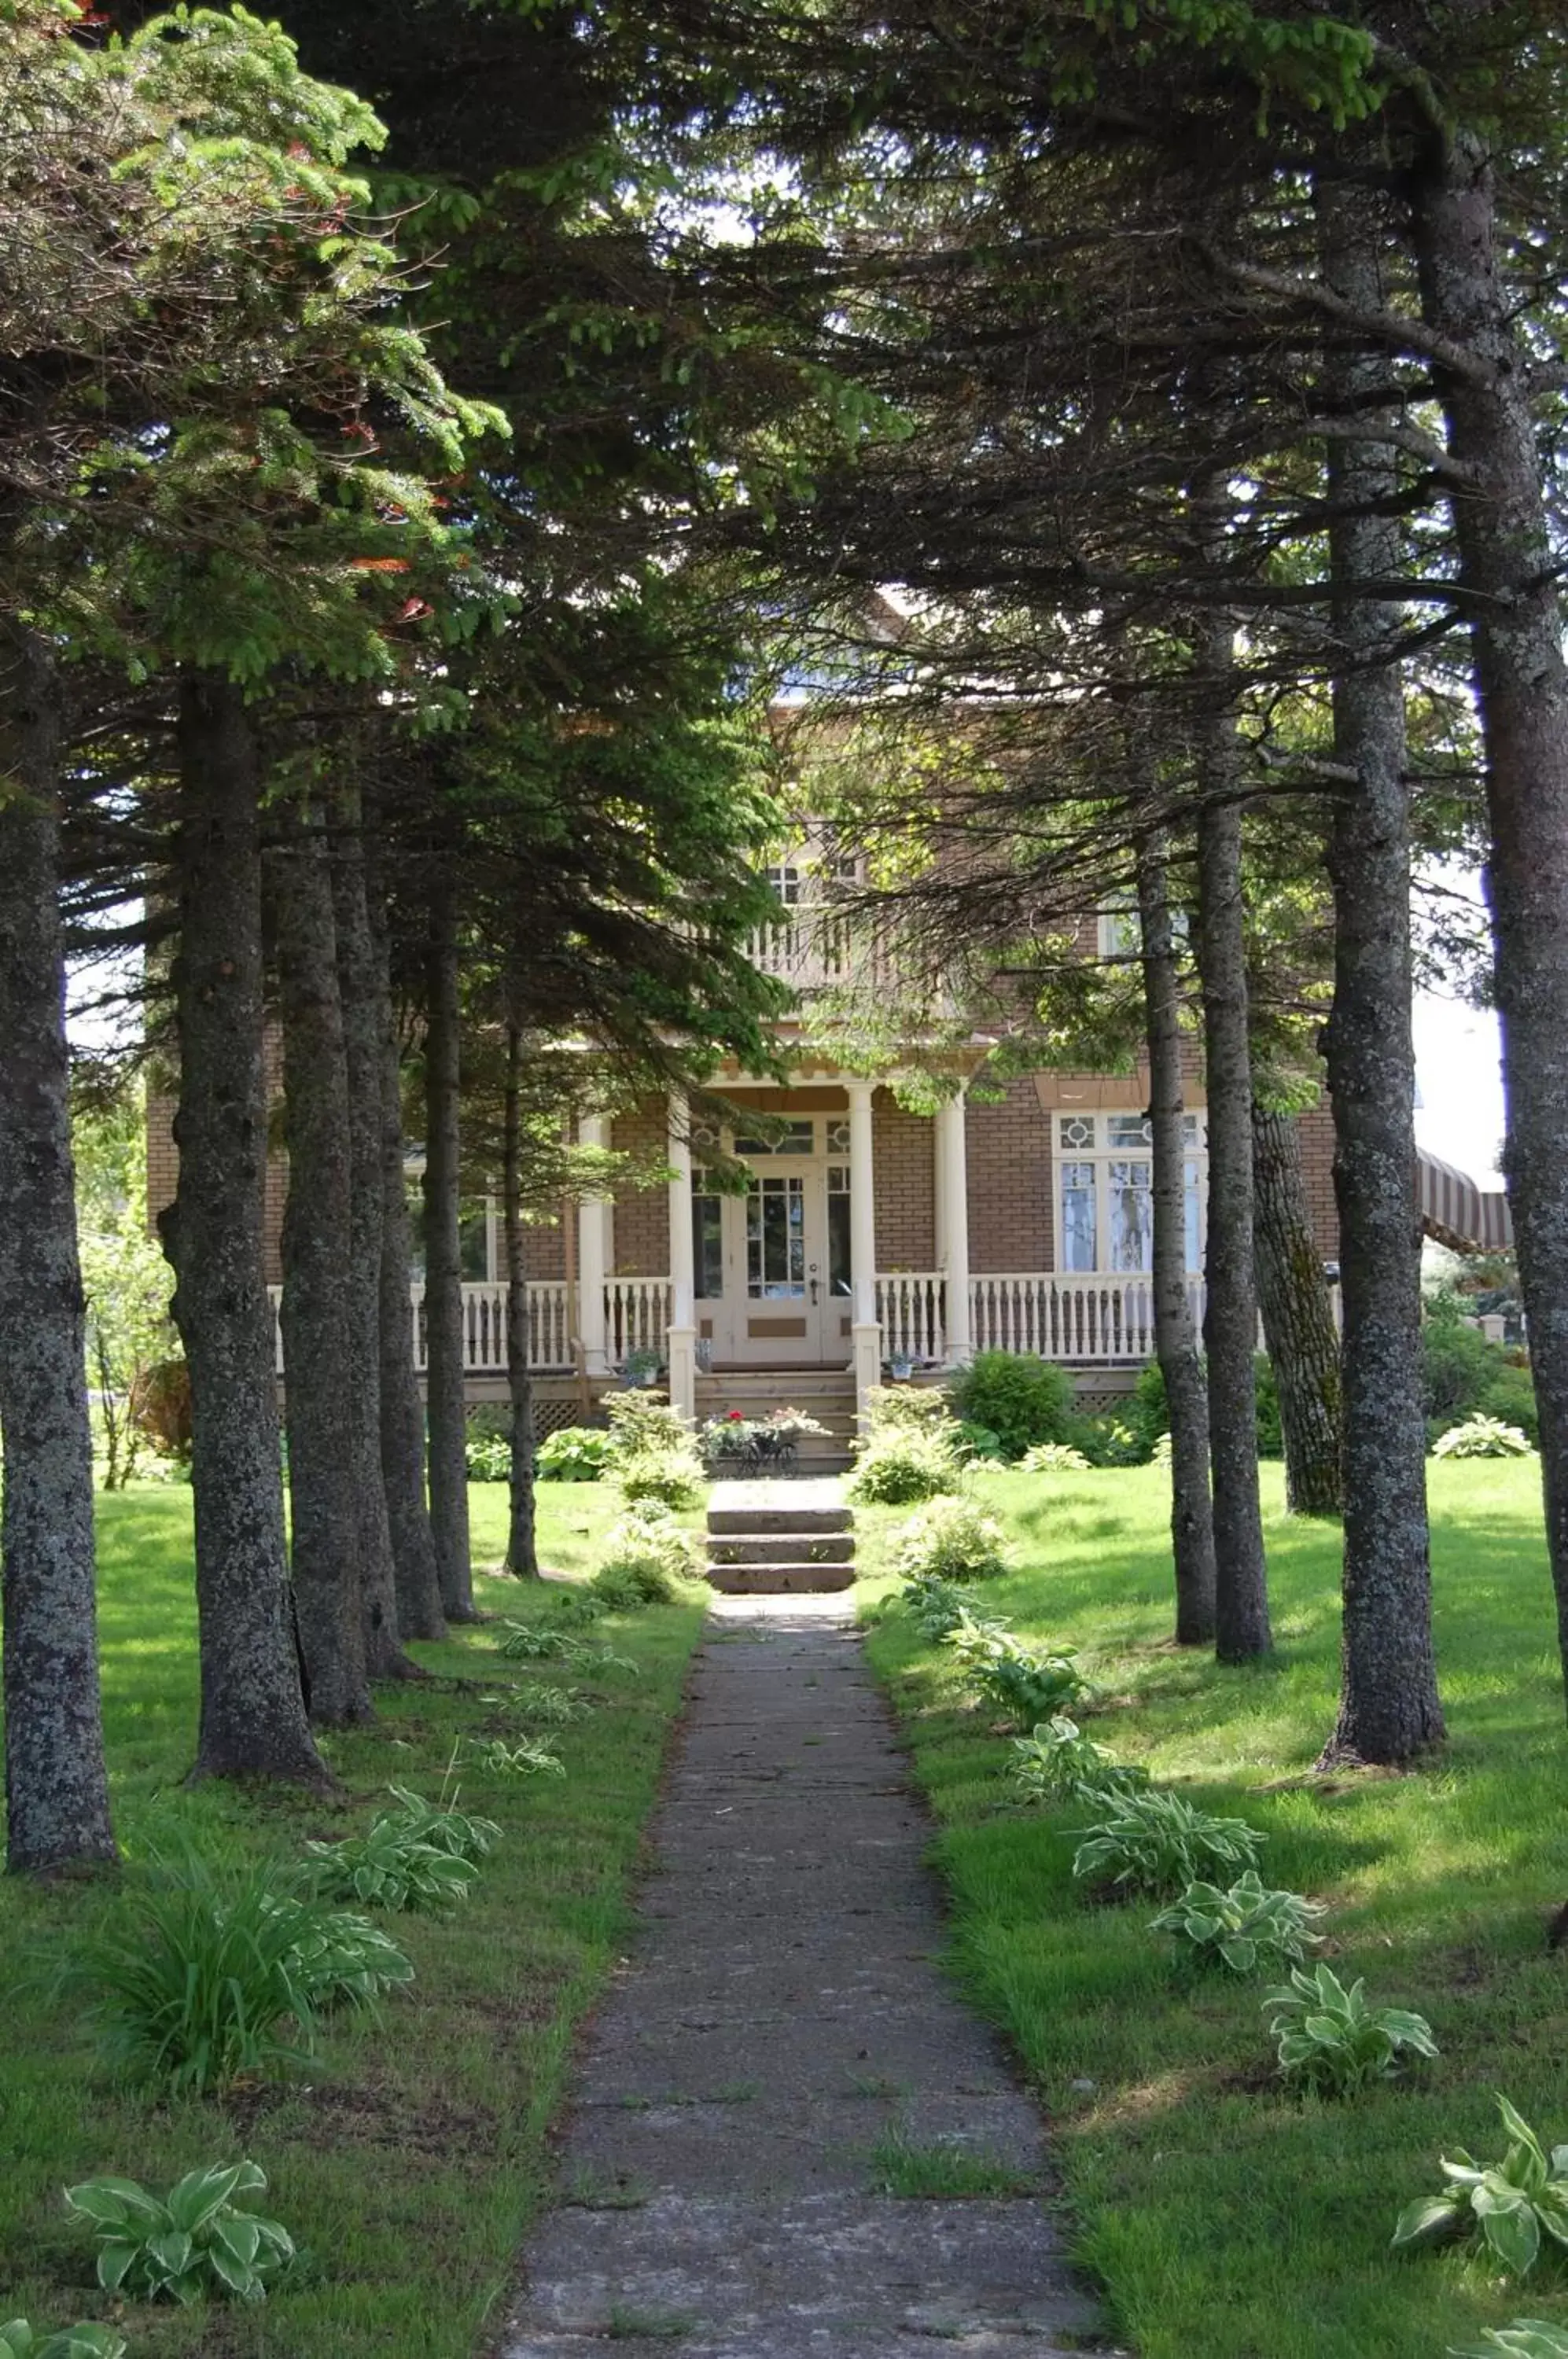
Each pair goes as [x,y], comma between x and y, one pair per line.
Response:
[869,1236]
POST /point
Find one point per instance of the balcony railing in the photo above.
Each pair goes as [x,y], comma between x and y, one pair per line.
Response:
[637,1311]
[810,950]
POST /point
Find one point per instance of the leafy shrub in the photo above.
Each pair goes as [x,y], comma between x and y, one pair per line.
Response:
[903,1409]
[935,1606]
[900,1464]
[1242,1925]
[17,2341]
[1160,1453]
[652,1454]
[489,1458]
[1157,1842]
[1509,1398]
[575,1453]
[1509,2204]
[1265,1396]
[1148,1410]
[1457,1362]
[1332,2042]
[1022,1399]
[1057,1762]
[1109,1441]
[191,1981]
[978,1442]
[645,1555]
[1526,2338]
[391,1867]
[1030,1684]
[526,1757]
[949,1539]
[193,2242]
[1481,1437]
[1054,1457]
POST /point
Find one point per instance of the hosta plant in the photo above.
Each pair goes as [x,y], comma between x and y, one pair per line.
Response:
[1058,1763]
[528,1757]
[1053,1458]
[1028,1682]
[18,2340]
[1481,1437]
[542,1642]
[1512,2204]
[934,1605]
[1330,2042]
[389,1866]
[1157,1842]
[193,2242]
[461,1832]
[1242,1925]
[541,1701]
[1526,2338]
[341,1958]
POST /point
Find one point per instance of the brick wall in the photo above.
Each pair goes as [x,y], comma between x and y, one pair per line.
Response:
[1010,1224]
[903,1157]
[642,1214]
[1316,1128]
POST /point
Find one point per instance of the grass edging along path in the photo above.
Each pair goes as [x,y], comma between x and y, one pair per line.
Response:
[411,2155]
[1223,2217]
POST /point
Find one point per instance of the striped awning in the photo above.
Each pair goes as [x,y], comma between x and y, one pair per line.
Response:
[1458,1212]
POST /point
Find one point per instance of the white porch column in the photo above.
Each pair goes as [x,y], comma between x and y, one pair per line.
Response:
[681,1336]
[953,1223]
[594,1214]
[865,1329]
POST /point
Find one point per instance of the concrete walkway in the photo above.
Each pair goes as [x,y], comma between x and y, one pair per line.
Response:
[780,2038]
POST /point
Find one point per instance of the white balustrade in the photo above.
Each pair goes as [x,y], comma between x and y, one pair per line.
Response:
[637,1312]
[811,948]
[1081,1316]
[911,1311]
[484,1326]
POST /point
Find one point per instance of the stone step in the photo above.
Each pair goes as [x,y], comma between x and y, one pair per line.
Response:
[775,1579]
[782,1547]
[783,1518]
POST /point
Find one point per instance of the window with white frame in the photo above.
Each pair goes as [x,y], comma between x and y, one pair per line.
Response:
[1105,1176]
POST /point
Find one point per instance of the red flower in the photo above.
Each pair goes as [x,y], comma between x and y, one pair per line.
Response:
[734,1417]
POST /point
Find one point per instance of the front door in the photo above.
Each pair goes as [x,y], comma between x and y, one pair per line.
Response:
[773,1279]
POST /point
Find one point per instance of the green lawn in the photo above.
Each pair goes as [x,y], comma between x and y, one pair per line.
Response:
[410,2157]
[1226,2220]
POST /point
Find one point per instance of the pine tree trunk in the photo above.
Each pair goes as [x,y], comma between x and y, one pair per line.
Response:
[522,1554]
[1298,1319]
[252,1712]
[357,988]
[1230,1317]
[317,1366]
[1507,556]
[444,1394]
[57,1794]
[1388,1707]
[1191,1518]
[402,1409]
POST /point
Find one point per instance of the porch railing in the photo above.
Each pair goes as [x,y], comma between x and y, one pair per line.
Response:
[637,1312]
[1067,1316]
[911,1307]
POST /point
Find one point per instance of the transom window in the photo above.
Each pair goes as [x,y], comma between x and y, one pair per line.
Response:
[795,1138]
[1105,1193]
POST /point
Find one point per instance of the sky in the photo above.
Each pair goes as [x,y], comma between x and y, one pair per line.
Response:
[1459,1085]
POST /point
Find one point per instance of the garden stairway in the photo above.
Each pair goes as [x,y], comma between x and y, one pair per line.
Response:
[781,1537]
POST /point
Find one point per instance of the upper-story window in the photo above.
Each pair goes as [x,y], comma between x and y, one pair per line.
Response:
[1106,1191]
